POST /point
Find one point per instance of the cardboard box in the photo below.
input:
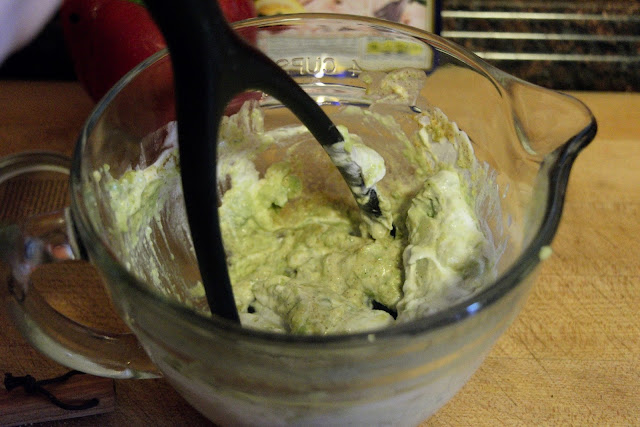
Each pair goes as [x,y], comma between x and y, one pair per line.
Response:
[424,14]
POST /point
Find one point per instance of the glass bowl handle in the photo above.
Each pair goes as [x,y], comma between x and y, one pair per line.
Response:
[47,238]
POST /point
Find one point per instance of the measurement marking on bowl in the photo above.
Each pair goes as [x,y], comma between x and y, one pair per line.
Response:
[319,66]
[309,65]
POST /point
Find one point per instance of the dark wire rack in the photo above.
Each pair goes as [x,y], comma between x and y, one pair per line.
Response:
[566,45]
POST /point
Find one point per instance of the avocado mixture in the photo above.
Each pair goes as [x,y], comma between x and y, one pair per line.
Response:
[302,262]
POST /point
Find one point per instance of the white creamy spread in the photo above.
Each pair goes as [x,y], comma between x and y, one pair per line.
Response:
[302,263]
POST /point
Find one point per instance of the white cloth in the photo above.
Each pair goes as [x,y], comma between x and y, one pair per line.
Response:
[21,20]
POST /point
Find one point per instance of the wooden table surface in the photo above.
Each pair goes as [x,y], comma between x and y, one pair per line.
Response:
[572,357]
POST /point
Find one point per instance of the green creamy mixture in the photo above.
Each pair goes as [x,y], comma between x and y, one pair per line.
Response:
[301,264]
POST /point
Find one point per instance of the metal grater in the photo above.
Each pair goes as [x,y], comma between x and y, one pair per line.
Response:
[566,45]
[33,194]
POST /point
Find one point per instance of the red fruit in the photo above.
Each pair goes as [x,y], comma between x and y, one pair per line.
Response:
[237,10]
[107,38]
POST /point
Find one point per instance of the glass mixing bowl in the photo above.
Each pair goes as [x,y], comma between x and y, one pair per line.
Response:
[526,136]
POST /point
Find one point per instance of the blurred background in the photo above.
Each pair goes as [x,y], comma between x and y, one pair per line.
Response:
[564,45]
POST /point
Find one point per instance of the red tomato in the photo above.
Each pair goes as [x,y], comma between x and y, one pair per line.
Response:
[107,38]
[237,10]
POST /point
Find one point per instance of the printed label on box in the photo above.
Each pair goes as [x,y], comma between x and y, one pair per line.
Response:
[417,13]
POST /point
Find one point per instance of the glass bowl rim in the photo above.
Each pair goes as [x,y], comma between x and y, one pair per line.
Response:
[561,161]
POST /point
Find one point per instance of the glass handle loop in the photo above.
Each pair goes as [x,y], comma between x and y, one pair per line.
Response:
[40,239]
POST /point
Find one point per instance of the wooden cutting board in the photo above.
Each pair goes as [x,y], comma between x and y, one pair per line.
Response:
[572,357]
